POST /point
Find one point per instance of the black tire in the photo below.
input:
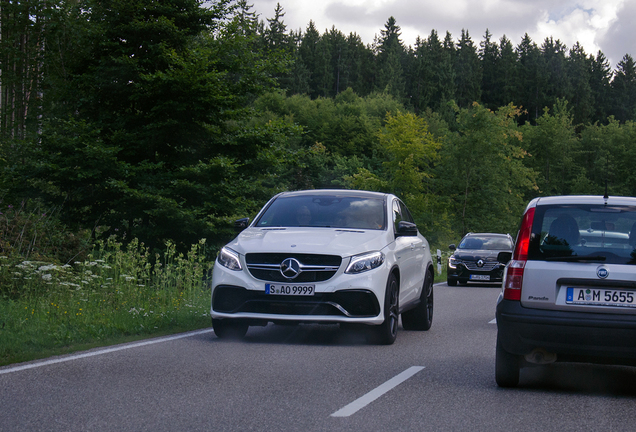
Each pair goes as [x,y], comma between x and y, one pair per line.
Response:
[386,332]
[451,282]
[229,328]
[507,367]
[421,317]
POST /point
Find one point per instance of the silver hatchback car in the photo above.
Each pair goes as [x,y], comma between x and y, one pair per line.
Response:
[569,292]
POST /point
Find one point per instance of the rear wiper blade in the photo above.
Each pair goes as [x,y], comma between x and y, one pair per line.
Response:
[577,258]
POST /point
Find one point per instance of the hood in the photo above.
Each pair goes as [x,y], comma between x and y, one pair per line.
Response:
[343,242]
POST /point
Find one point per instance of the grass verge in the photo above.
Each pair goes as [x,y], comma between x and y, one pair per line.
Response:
[117,295]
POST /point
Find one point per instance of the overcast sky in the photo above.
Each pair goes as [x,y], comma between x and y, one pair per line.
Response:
[606,25]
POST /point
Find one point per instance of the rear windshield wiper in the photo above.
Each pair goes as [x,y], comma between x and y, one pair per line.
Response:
[577,258]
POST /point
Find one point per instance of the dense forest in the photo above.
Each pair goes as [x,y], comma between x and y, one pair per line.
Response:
[168,120]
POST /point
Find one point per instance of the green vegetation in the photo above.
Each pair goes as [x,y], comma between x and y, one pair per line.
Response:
[136,129]
[117,292]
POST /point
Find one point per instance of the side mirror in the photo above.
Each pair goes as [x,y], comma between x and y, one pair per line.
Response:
[452,247]
[406,229]
[241,224]
[504,257]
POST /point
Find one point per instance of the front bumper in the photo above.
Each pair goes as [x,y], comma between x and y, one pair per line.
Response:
[462,274]
[573,336]
[343,298]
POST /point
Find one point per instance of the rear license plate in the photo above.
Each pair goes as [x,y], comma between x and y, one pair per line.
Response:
[600,297]
[480,277]
[283,289]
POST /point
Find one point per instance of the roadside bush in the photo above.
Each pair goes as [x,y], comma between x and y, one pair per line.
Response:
[31,231]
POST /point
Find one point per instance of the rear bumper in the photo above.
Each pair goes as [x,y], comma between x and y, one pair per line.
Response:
[573,336]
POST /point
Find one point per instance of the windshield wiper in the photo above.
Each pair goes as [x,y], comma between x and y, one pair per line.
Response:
[577,258]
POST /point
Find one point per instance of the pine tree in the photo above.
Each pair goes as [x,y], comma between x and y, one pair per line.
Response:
[579,72]
[433,77]
[468,74]
[489,58]
[390,58]
[555,80]
[600,83]
[362,66]
[312,58]
[276,32]
[530,81]
[338,62]
[506,80]
[624,89]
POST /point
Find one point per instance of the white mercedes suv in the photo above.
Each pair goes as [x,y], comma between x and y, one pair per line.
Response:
[325,256]
[569,292]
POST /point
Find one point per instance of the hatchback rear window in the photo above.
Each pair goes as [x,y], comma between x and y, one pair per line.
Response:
[584,233]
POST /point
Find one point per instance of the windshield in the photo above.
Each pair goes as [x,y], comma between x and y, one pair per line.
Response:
[486,243]
[329,211]
[584,233]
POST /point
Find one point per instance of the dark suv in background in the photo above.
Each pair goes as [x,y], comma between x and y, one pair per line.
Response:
[480,257]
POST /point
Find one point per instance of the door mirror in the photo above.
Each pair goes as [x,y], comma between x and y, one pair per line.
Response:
[504,257]
[406,229]
[452,246]
[241,224]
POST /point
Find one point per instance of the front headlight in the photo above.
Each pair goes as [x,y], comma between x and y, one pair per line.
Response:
[452,262]
[229,259]
[364,262]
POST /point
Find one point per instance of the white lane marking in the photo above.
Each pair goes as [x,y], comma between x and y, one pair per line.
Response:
[493,321]
[377,392]
[103,351]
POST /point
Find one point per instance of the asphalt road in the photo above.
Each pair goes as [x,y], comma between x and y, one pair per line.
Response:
[317,378]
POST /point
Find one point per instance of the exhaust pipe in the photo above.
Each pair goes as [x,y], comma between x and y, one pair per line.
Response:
[541,356]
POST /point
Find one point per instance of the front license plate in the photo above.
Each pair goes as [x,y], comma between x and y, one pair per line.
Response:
[480,277]
[600,297]
[283,289]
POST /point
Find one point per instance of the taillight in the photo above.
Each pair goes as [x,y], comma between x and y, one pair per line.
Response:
[515,268]
[514,279]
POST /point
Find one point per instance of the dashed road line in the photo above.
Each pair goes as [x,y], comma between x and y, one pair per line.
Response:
[365,400]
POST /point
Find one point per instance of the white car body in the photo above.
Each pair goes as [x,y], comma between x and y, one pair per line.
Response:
[406,256]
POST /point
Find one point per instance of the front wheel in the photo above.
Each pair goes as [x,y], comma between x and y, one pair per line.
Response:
[421,317]
[229,328]
[386,333]
[451,282]
[507,367]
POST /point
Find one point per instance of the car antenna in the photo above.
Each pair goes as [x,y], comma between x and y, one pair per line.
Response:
[606,196]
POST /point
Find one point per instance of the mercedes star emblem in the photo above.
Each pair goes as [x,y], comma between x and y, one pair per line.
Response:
[290,268]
